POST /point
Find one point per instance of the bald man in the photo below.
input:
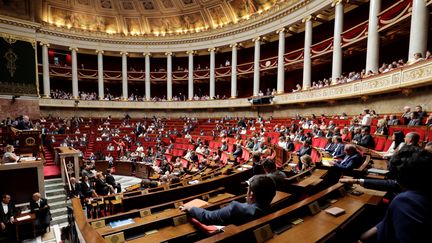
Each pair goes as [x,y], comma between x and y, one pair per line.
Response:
[40,207]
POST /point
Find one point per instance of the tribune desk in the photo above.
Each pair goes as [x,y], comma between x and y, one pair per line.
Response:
[22,179]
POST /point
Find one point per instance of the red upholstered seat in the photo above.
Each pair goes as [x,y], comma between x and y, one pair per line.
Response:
[388,143]
[380,142]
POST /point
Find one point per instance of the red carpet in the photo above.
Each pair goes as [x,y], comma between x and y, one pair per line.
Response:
[51,170]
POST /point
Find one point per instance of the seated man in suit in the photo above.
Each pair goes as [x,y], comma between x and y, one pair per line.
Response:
[101,187]
[238,152]
[366,140]
[7,213]
[352,159]
[338,152]
[39,206]
[87,188]
[75,190]
[261,190]
[276,175]
[110,180]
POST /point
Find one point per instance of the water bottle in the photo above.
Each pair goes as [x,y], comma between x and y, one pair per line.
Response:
[85,211]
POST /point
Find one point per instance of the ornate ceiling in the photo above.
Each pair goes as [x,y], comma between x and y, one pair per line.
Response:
[138,17]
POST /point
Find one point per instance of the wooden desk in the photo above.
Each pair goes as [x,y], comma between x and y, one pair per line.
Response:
[318,227]
[22,179]
[18,224]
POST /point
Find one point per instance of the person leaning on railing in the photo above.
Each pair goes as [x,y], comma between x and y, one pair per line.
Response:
[9,156]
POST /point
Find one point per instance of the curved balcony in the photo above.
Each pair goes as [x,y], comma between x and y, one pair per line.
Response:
[412,76]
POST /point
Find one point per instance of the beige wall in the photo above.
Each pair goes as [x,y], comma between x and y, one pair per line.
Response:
[21,106]
[384,104]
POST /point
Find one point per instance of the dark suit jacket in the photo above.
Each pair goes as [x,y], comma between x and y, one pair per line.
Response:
[234,213]
[101,187]
[339,151]
[86,190]
[40,211]
[367,141]
[349,162]
[76,190]
[304,150]
[238,153]
[110,180]
[290,147]
[5,217]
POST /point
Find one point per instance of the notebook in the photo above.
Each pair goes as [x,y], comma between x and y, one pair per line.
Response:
[335,211]
[377,171]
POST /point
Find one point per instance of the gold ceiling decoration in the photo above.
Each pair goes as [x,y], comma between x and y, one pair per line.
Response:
[140,17]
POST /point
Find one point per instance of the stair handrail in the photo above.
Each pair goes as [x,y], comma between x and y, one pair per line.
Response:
[67,175]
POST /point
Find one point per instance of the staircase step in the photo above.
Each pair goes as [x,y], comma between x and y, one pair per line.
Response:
[55,186]
[58,211]
[59,219]
[53,181]
[59,204]
[54,192]
[56,198]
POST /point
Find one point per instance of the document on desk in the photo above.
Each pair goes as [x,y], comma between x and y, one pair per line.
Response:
[196,203]
[23,218]
[120,223]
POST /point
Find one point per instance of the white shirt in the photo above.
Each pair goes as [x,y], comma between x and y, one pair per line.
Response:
[5,208]
[38,202]
[367,120]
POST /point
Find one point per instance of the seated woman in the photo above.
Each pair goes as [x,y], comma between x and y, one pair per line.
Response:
[9,156]
[381,127]
[305,163]
[398,142]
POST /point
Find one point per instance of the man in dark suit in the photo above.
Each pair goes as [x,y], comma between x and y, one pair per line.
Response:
[39,206]
[352,159]
[338,152]
[366,140]
[276,175]
[261,191]
[7,213]
[110,180]
[238,152]
[75,190]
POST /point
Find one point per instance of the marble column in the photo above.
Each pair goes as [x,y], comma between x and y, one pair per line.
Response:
[100,74]
[281,62]
[337,40]
[190,75]
[234,70]
[147,76]
[419,28]
[307,62]
[45,70]
[75,93]
[256,77]
[124,75]
[169,75]
[373,40]
[212,72]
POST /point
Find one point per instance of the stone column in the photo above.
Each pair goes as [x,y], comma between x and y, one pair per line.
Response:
[281,62]
[124,75]
[100,74]
[373,41]
[45,70]
[147,76]
[169,75]
[256,77]
[419,28]
[75,94]
[234,70]
[307,62]
[337,40]
[212,72]
[190,76]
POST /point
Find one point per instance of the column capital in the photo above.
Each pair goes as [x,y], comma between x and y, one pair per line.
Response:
[336,2]
[191,52]
[234,45]
[73,48]
[256,39]
[211,49]
[44,44]
[168,53]
[124,53]
[148,54]
[280,30]
[307,18]
[99,51]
